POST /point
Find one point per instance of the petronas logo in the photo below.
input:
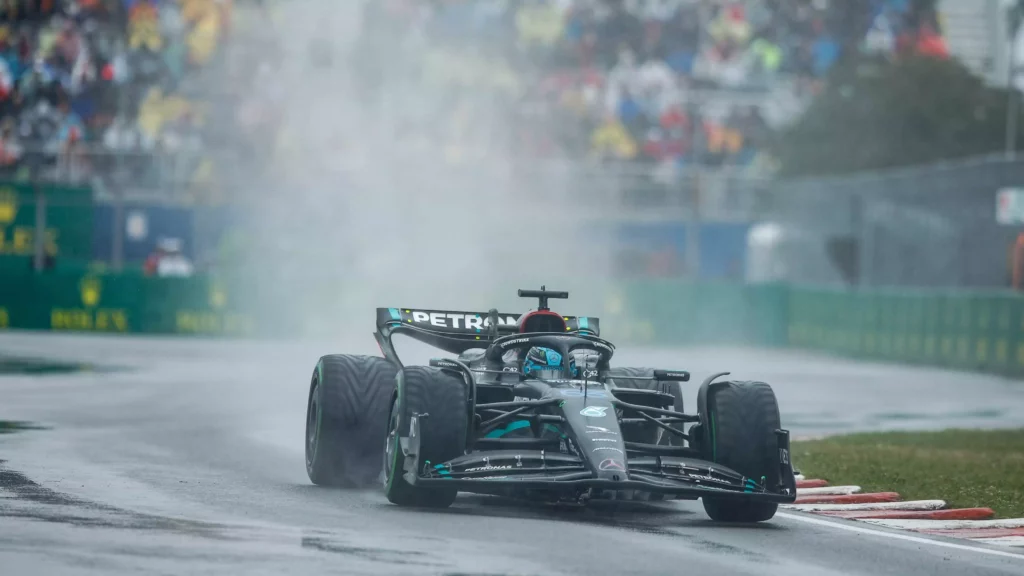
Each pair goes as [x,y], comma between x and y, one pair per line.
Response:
[8,205]
[91,290]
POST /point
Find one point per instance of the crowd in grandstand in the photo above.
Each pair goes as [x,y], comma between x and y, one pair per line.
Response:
[82,77]
[633,80]
[672,82]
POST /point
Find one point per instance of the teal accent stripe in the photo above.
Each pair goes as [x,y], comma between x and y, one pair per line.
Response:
[553,428]
[395,314]
[584,323]
[517,425]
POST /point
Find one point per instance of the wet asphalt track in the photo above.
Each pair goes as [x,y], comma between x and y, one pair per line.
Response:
[189,460]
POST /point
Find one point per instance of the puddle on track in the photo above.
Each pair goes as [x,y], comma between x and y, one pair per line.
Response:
[22,366]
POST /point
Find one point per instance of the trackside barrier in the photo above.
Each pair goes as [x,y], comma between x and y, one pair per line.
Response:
[85,301]
[963,330]
[978,331]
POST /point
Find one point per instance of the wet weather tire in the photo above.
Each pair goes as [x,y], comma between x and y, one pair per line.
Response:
[442,397]
[740,434]
[346,419]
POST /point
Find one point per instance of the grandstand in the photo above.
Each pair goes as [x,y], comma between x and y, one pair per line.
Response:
[673,82]
[662,108]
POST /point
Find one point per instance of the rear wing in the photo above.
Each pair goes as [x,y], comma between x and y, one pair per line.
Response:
[456,332]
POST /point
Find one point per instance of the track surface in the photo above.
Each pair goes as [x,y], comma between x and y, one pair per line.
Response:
[190,461]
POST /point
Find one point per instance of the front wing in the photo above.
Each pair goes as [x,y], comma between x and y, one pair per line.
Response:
[500,471]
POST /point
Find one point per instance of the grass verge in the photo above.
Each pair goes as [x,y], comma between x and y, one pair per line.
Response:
[966,468]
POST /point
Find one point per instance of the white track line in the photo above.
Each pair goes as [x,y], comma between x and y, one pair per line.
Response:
[896,536]
[946,524]
[909,505]
[1001,541]
[828,491]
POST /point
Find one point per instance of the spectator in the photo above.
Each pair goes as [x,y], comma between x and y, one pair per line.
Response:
[167,260]
[65,79]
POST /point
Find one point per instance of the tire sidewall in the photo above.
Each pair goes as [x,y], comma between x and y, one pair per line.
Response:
[314,394]
[346,413]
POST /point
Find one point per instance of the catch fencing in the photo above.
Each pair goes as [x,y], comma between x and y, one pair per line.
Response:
[928,226]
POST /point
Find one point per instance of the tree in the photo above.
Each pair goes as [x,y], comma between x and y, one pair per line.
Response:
[875,114]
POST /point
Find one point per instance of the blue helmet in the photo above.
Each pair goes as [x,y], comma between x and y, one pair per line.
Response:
[546,363]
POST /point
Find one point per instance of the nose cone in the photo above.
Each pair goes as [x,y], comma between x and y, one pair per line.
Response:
[595,426]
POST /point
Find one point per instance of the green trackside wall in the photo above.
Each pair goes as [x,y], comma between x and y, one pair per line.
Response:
[956,329]
[964,330]
[69,221]
[84,301]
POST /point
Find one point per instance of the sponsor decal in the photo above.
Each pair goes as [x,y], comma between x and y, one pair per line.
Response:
[510,369]
[603,440]
[213,322]
[91,316]
[490,478]
[606,449]
[521,399]
[594,411]
[579,394]
[611,464]
[445,364]
[488,468]
[784,456]
[676,375]
[459,321]
[514,341]
[600,430]
[587,374]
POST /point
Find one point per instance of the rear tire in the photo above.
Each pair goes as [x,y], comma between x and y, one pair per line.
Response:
[346,419]
[739,433]
[443,397]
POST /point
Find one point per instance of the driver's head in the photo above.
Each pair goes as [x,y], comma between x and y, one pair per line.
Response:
[544,363]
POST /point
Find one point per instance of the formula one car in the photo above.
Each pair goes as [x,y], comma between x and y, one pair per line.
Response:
[530,407]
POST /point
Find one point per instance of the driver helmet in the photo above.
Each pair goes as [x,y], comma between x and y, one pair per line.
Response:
[545,363]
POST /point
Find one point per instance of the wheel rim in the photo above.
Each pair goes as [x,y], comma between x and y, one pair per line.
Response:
[312,424]
[390,442]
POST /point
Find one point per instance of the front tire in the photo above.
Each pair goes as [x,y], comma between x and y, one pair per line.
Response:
[346,419]
[739,433]
[442,397]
